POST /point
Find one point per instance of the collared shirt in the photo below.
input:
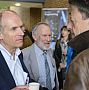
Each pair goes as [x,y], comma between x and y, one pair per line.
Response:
[14,65]
[41,66]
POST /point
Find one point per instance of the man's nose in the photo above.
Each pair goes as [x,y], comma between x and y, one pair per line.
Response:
[49,38]
[69,26]
[21,31]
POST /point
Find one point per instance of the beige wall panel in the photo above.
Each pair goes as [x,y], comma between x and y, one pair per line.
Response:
[56,4]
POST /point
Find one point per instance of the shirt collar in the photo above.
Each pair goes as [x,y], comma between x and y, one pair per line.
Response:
[2,48]
[38,50]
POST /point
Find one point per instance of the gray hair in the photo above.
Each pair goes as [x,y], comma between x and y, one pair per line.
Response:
[36,27]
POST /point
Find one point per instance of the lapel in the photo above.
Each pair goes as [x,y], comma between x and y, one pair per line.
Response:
[5,72]
[34,64]
[50,52]
[23,65]
[21,61]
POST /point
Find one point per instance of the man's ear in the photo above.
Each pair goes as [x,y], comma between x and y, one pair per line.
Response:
[34,37]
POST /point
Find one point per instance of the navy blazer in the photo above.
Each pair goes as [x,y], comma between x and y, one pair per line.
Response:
[7,81]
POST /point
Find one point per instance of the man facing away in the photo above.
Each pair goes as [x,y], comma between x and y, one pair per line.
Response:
[80,21]
[13,73]
[76,78]
[34,57]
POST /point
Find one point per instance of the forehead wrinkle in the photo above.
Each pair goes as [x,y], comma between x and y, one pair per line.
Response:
[7,16]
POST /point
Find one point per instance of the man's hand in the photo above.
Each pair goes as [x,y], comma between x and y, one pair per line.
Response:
[21,88]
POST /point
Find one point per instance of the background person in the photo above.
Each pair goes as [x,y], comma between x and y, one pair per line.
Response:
[60,54]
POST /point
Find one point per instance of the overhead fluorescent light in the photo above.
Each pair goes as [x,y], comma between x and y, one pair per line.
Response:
[34,1]
[18,4]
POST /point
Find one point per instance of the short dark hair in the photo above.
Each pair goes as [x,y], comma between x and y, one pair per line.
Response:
[70,34]
[82,5]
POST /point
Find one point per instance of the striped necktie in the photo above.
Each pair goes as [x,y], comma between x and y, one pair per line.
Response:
[47,69]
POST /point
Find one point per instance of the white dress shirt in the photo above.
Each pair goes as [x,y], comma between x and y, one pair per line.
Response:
[14,65]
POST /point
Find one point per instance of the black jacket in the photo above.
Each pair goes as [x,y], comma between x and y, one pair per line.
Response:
[7,81]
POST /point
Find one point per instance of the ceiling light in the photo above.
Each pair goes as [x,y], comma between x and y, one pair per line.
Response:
[17,4]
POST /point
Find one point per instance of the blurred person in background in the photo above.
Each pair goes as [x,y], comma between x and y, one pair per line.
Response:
[60,54]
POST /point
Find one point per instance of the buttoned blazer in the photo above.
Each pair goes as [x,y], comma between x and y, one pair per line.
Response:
[7,81]
[30,61]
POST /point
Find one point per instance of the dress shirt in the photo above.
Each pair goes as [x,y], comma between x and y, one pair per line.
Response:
[41,66]
[14,65]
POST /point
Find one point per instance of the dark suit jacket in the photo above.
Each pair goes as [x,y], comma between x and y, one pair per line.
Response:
[58,55]
[7,81]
